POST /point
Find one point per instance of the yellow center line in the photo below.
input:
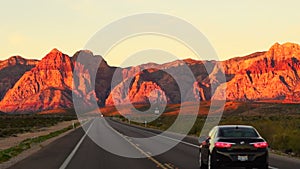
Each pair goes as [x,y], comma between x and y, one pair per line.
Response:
[169,166]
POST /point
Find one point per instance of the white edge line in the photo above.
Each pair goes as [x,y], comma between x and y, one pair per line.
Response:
[190,144]
[69,158]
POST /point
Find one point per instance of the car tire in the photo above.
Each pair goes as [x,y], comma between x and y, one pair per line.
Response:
[212,162]
[201,164]
[266,166]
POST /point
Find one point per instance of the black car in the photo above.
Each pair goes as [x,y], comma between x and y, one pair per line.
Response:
[233,146]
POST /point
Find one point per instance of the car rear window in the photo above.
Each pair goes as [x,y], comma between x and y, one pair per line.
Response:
[237,132]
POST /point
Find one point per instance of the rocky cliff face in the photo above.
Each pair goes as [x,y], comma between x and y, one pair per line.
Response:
[99,86]
[43,87]
[272,75]
[167,79]
[49,84]
[11,70]
[31,85]
[142,89]
[168,75]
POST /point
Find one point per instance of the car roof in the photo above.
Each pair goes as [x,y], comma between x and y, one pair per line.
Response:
[235,126]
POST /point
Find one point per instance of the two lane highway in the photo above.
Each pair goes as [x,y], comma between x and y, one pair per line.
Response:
[79,151]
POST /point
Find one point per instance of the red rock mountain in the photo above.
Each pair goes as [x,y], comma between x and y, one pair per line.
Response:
[153,78]
[11,70]
[30,85]
[49,84]
[272,75]
[143,88]
[46,86]
[100,88]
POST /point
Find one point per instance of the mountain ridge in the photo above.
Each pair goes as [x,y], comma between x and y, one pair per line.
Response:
[48,83]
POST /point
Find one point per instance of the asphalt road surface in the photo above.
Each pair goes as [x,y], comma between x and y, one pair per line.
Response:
[78,151]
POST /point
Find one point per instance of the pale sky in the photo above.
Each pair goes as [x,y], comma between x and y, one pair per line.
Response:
[32,28]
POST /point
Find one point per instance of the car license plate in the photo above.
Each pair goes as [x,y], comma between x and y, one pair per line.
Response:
[242,158]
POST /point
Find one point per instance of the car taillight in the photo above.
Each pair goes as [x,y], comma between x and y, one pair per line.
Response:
[223,145]
[260,145]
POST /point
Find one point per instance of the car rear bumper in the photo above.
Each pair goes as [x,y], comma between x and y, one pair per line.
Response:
[255,159]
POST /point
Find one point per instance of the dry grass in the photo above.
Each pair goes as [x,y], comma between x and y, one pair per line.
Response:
[58,111]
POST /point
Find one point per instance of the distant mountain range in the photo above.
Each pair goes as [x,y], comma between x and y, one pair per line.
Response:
[35,85]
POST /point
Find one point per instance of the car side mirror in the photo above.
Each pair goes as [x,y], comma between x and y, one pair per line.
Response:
[202,139]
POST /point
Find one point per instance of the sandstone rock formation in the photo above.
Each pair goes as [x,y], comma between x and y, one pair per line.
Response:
[31,85]
[93,77]
[50,83]
[272,75]
[11,70]
[43,87]
[186,74]
[139,90]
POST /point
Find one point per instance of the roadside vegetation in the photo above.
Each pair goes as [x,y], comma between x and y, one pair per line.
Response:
[13,124]
[278,123]
[26,144]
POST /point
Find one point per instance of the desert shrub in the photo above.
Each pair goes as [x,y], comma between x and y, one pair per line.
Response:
[15,124]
